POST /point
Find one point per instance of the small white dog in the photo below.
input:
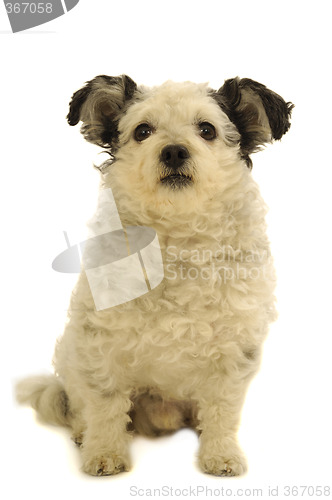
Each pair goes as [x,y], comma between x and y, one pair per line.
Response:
[184,353]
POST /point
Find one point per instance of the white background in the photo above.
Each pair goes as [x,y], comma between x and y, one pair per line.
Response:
[48,183]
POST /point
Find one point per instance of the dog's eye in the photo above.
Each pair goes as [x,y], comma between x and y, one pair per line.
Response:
[142,132]
[207,131]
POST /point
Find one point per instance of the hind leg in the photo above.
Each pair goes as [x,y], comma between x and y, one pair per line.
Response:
[78,427]
[75,419]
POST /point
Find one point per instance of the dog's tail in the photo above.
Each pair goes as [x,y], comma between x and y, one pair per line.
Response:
[47,396]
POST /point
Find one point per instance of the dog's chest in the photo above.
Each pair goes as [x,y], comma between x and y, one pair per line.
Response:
[165,338]
[169,355]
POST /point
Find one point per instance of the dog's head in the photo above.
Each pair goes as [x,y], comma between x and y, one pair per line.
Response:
[177,140]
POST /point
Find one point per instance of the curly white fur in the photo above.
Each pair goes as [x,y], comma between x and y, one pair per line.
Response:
[197,337]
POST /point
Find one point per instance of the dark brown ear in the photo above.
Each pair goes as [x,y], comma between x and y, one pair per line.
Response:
[259,114]
[99,105]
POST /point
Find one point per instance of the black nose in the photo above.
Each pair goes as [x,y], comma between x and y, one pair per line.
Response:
[174,155]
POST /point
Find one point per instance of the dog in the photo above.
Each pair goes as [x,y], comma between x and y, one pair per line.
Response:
[184,353]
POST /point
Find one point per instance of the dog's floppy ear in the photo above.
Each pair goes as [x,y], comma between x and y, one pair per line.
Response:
[99,105]
[259,114]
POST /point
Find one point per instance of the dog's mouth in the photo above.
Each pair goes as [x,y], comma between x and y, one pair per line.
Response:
[176,180]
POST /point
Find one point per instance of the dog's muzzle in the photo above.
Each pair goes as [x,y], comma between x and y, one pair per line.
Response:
[175,173]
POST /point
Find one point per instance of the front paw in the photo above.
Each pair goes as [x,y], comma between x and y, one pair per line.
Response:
[106,464]
[222,462]
[223,466]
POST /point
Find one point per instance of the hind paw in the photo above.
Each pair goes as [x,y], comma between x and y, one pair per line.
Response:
[77,438]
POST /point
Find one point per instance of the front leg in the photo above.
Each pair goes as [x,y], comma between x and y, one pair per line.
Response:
[105,440]
[219,417]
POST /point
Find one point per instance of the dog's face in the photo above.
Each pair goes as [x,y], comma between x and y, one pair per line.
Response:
[176,144]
